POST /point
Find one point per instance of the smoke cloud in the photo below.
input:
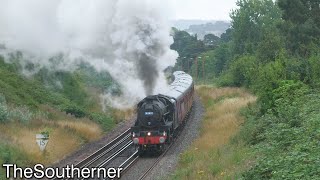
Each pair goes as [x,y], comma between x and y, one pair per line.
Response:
[128,38]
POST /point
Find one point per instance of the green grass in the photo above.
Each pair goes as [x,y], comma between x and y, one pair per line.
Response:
[218,153]
[9,154]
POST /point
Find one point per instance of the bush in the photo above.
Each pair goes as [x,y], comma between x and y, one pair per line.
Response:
[12,154]
[314,66]
[107,122]
[286,98]
[288,140]
[242,72]
[22,114]
[74,110]
[4,113]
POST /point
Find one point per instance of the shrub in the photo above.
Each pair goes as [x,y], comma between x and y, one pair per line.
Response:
[242,72]
[12,154]
[107,122]
[22,114]
[72,109]
[314,66]
[288,140]
[4,113]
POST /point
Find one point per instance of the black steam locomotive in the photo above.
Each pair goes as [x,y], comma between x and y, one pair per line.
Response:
[160,116]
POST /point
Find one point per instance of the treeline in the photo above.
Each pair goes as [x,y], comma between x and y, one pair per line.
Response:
[273,49]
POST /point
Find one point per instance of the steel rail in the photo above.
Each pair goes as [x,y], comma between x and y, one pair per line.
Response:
[104,148]
[115,154]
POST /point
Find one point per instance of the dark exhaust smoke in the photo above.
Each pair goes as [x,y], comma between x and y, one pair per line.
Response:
[128,38]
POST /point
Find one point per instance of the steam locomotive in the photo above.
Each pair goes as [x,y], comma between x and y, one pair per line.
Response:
[159,117]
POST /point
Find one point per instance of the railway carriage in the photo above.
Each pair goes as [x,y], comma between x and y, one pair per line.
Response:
[159,117]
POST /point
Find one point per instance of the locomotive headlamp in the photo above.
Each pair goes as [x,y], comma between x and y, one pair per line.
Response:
[149,133]
[164,133]
[162,139]
[135,140]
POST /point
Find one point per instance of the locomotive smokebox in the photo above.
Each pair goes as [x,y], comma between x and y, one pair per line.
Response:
[152,112]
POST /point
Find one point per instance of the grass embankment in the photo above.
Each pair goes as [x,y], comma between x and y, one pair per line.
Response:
[65,105]
[213,155]
[66,134]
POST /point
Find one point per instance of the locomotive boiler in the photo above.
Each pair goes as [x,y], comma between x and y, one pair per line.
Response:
[159,117]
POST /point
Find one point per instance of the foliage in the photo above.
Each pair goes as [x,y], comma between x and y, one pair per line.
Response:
[21,114]
[272,49]
[241,72]
[39,101]
[73,110]
[215,154]
[287,140]
[188,47]
[222,57]
[101,80]
[65,83]
[20,90]
[12,154]
[46,132]
[250,23]
[313,70]
[211,40]
[4,113]
[65,91]
[301,27]
[106,121]
[226,36]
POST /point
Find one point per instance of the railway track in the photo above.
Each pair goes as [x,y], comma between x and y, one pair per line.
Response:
[113,151]
[108,153]
[155,163]
[145,174]
[93,158]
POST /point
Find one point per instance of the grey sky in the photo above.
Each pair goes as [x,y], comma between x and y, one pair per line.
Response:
[203,9]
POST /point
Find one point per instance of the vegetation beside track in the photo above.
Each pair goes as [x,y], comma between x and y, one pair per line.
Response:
[66,105]
[271,49]
[213,155]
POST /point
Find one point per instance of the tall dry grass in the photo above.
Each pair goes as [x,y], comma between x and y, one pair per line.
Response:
[66,135]
[87,129]
[211,156]
[123,114]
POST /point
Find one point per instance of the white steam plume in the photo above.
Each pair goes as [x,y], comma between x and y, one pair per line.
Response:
[128,38]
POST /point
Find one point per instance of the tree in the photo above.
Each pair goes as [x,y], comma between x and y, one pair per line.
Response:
[211,40]
[301,25]
[222,58]
[188,48]
[250,22]
[226,36]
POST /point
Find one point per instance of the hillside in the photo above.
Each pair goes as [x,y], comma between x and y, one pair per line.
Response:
[202,27]
[273,52]
[69,111]
[183,24]
[216,28]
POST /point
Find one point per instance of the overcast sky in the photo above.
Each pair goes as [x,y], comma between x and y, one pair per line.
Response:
[203,9]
